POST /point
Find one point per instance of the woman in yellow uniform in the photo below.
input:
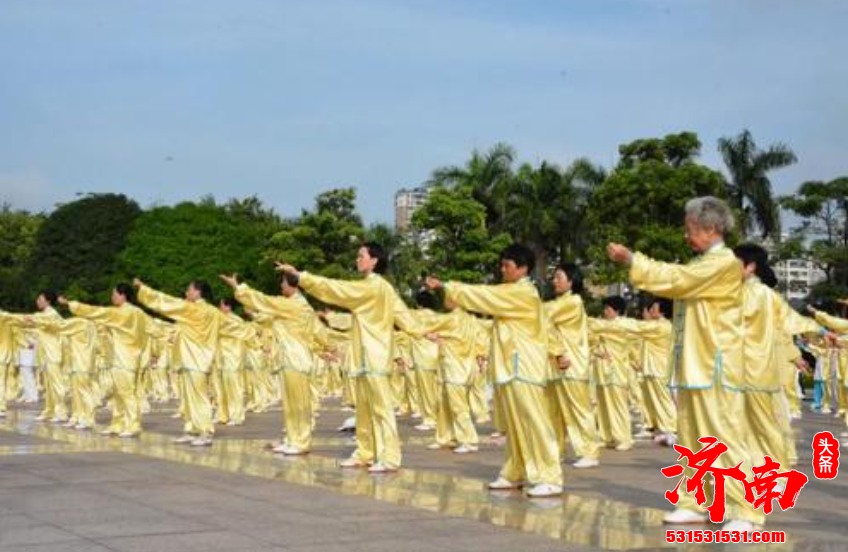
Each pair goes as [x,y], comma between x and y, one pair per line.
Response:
[294,325]
[569,387]
[376,309]
[613,338]
[519,370]
[232,348]
[127,330]
[195,347]
[425,361]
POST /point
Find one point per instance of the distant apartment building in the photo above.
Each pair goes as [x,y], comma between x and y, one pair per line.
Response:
[406,203]
[796,276]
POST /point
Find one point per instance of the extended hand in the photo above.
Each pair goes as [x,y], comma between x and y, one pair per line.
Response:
[432,283]
[62,300]
[619,253]
[231,281]
[286,268]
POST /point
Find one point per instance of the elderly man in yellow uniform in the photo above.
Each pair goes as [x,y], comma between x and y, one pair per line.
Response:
[294,324]
[708,354]
[195,348]
[569,387]
[519,370]
[46,324]
[127,328]
[376,309]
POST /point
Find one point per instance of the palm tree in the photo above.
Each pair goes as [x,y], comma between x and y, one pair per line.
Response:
[749,189]
[487,176]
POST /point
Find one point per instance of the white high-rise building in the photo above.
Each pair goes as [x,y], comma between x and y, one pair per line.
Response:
[796,276]
[406,202]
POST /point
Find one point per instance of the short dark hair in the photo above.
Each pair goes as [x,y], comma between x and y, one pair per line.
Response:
[376,251]
[520,255]
[426,299]
[50,295]
[666,305]
[126,290]
[617,303]
[291,279]
[204,288]
[229,301]
[575,275]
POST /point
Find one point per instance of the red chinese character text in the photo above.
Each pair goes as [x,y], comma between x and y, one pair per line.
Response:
[825,455]
[762,490]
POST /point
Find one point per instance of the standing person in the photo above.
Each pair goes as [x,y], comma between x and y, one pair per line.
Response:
[81,354]
[613,342]
[425,360]
[127,335]
[654,338]
[8,349]
[232,350]
[375,308]
[708,357]
[27,365]
[45,325]
[569,387]
[294,323]
[519,370]
[195,347]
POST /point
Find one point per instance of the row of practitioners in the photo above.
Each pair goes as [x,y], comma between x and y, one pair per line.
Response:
[726,343]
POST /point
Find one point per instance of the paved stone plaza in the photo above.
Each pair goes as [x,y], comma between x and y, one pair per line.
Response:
[62,490]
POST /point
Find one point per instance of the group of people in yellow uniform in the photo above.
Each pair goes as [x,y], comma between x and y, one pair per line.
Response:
[712,353]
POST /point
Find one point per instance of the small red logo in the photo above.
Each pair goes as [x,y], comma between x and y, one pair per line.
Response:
[825,455]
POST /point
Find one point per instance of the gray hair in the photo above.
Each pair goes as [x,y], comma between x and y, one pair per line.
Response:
[710,212]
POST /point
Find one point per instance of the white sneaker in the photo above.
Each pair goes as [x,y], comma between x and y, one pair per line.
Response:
[352,463]
[416,416]
[279,449]
[82,427]
[40,418]
[2,414]
[379,467]
[465,449]
[501,484]
[201,442]
[643,434]
[69,423]
[424,427]
[543,490]
[623,447]
[127,435]
[349,424]
[684,517]
[293,451]
[108,432]
[435,446]
[231,423]
[184,440]
[57,420]
[584,463]
[176,416]
[738,525]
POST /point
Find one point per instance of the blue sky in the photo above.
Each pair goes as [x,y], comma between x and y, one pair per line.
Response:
[167,100]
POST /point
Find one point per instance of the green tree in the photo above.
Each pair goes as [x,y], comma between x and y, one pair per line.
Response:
[457,244]
[641,203]
[172,245]
[78,244]
[323,241]
[18,230]
[749,188]
[823,234]
[487,176]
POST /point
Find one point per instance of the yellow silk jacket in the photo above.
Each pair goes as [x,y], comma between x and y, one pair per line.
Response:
[568,318]
[294,325]
[613,342]
[81,339]
[128,331]
[459,346]
[232,342]
[709,327]
[8,341]
[654,347]
[375,308]
[769,324]
[519,347]
[425,353]
[196,338]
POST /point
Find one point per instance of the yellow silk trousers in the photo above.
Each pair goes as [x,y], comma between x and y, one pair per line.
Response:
[5,376]
[574,417]
[428,395]
[83,399]
[453,424]
[376,427]
[297,409]
[719,413]
[412,392]
[477,398]
[126,407]
[531,449]
[659,405]
[767,421]
[614,415]
[55,392]
[348,389]
[231,400]
[197,409]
